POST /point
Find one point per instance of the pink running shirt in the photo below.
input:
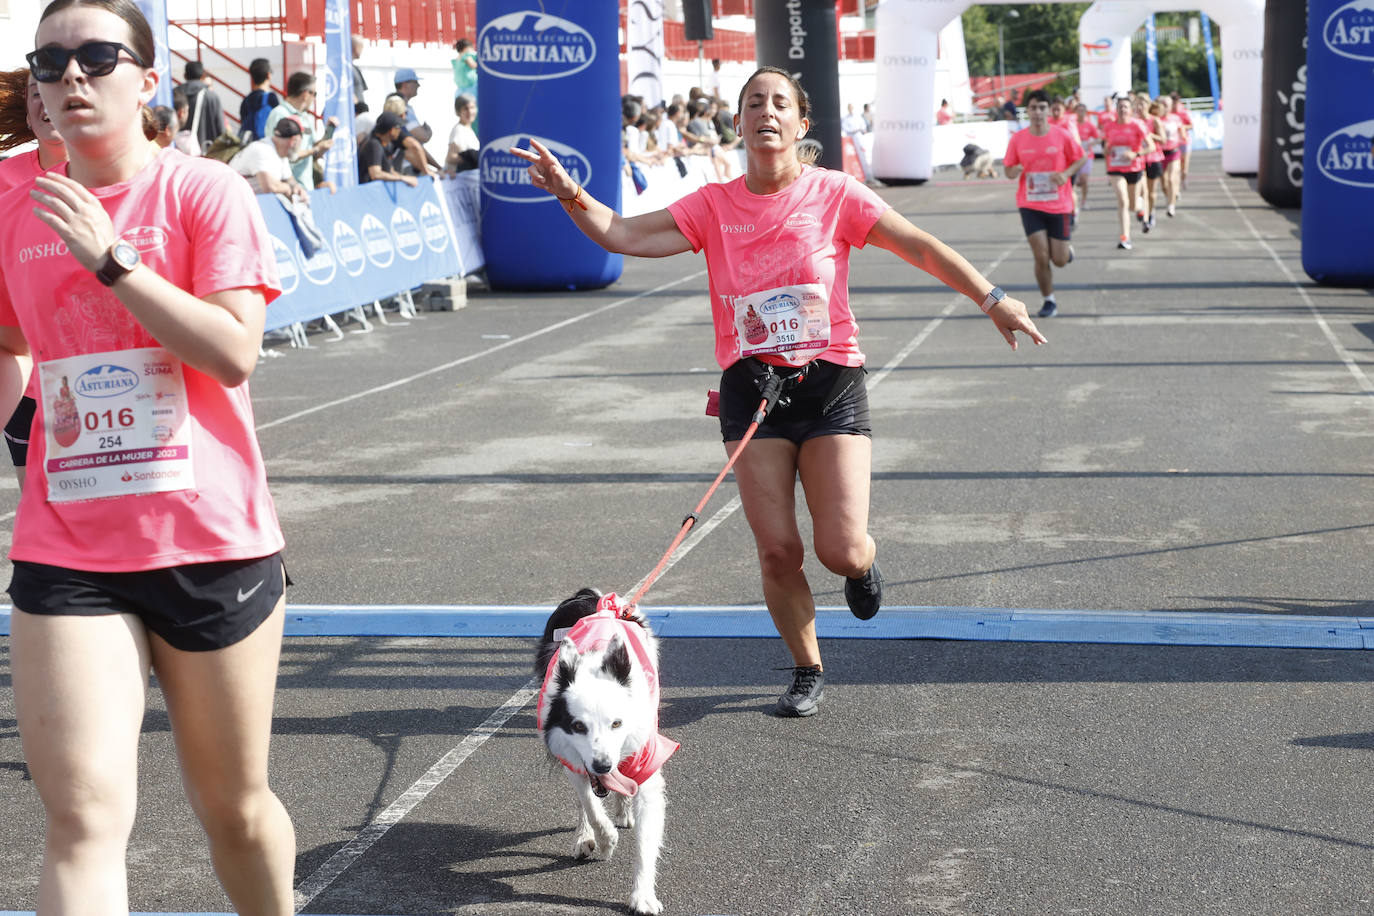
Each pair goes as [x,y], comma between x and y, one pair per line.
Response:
[22,169]
[1055,151]
[766,243]
[1118,138]
[196,223]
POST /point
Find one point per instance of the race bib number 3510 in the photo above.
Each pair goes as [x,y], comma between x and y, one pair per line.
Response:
[116,424]
[791,321]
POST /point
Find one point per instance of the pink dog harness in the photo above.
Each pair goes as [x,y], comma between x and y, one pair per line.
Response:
[594,632]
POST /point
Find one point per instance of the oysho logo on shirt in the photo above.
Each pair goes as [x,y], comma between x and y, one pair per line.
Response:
[45,250]
[736,228]
[800,221]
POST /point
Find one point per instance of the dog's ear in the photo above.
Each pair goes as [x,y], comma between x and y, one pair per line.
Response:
[617,661]
[568,657]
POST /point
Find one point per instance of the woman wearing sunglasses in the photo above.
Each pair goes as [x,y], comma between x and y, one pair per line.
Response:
[24,120]
[145,538]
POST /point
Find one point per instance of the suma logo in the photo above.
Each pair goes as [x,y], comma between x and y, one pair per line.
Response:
[506,176]
[1344,156]
[530,45]
[105,381]
[1349,31]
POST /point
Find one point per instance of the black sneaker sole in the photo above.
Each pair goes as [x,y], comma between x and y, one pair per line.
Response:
[802,712]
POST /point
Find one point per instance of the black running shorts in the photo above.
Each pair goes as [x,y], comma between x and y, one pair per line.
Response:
[1154,170]
[196,608]
[17,431]
[1058,225]
[832,401]
[1131,177]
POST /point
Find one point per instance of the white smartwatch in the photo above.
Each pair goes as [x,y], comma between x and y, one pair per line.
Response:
[996,295]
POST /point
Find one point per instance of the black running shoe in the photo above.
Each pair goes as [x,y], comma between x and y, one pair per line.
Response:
[805,694]
[864,595]
[1047,310]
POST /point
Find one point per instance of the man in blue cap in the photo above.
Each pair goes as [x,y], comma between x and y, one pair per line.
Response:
[407,87]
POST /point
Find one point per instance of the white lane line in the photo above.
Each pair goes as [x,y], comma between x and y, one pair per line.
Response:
[433,370]
[1341,352]
[337,864]
[929,329]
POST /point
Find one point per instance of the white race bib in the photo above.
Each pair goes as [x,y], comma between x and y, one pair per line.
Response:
[789,320]
[115,424]
[1040,187]
[1121,156]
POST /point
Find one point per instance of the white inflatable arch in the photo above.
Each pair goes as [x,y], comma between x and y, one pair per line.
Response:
[905,49]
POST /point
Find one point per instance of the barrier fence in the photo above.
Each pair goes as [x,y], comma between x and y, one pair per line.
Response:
[379,240]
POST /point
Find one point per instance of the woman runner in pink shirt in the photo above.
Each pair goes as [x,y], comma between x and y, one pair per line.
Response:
[1125,143]
[145,537]
[23,120]
[777,246]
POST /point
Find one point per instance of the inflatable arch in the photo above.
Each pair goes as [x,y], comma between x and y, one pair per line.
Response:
[906,45]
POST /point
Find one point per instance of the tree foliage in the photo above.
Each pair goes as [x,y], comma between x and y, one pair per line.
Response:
[1043,38]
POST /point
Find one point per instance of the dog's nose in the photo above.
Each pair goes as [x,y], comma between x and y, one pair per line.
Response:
[601,765]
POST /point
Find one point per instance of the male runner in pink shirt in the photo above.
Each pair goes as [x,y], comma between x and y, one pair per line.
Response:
[1045,158]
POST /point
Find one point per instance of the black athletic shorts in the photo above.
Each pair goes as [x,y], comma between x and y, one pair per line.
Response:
[1056,224]
[1154,170]
[831,401]
[1131,177]
[195,608]
[17,431]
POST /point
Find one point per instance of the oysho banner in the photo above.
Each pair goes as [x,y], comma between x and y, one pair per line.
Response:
[1338,164]
[380,238]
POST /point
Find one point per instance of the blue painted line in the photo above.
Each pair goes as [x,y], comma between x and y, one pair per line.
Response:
[1157,628]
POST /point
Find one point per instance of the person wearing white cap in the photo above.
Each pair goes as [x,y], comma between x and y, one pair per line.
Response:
[407,87]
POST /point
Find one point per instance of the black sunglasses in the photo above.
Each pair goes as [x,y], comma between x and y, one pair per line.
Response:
[95,58]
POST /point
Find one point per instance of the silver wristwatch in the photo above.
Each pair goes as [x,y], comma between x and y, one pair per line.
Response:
[995,296]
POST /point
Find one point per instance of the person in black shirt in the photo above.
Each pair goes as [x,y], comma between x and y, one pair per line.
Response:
[374,156]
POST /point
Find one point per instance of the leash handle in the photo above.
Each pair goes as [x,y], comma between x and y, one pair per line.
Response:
[772,389]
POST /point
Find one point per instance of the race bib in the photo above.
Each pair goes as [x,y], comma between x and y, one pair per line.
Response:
[116,424]
[791,321]
[1040,187]
[1121,156]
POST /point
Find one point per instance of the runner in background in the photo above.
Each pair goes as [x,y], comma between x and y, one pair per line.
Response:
[1172,128]
[23,120]
[145,538]
[1090,137]
[1147,113]
[777,243]
[1125,143]
[1045,159]
[1181,110]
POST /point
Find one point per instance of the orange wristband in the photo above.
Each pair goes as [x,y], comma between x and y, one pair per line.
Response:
[575,199]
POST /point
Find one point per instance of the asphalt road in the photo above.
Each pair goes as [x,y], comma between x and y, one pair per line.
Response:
[1194,438]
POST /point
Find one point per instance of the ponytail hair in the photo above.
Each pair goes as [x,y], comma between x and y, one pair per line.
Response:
[14,109]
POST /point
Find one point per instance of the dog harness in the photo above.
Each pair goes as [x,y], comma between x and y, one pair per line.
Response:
[595,631]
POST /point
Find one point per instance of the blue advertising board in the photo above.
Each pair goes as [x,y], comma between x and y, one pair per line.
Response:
[1338,154]
[550,71]
[380,238]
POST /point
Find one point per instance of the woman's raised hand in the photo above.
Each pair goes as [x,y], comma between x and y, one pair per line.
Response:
[545,170]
